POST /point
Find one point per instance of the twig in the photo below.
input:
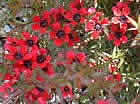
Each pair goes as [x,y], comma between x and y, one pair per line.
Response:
[12,96]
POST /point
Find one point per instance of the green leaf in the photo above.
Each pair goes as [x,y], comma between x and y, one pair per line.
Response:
[114,52]
[3,71]
[138,100]
[121,62]
[133,22]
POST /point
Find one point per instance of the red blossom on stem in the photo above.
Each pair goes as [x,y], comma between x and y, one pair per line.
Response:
[60,35]
[117,36]
[121,11]
[78,4]
[66,91]
[76,16]
[95,25]
[41,23]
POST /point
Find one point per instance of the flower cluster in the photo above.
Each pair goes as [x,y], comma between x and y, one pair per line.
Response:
[27,55]
[119,23]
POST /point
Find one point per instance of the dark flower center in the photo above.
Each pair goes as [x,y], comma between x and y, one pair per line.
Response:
[78,6]
[18,56]
[66,89]
[123,18]
[53,90]
[133,35]
[43,23]
[77,17]
[60,17]
[27,63]
[98,27]
[60,34]
[14,43]
[45,69]
[38,43]
[40,59]
[81,34]
[71,36]
[83,88]
[39,89]
[118,35]
[30,43]
[3,42]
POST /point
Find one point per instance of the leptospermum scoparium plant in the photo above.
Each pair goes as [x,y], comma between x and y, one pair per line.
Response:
[73,55]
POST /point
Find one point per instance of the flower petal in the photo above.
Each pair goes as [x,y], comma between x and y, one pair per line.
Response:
[23,50]
[104,21]
[42,30]
[67,29]
[52,35]
[34,38]
[126,11]
[45,14]
[68,15]
[82,20]
[115,20]
[91,10]
[95,35]
[35,27]
[56,26]
[36,19]
[116,11]
[117,42]
[124,39]
[70,43]
[26,35]
[58,42]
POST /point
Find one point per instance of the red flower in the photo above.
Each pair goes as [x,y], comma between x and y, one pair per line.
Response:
[121,11]
[41,100]
[95,25]
[30,41]
[15,53]
[78,4]
[109,77]
[117,36]
[70,55]
[117,77]
[48,69]
[101,102]
[111,101]
[58,15]
[66,91]
[112,68]
[76,16]
[37,94]
[59,34]
[81,57]
[13,42]
[26,65]
[5,86]
[41,59]
[4,90]
[134,34]
[73,38]
[41,23]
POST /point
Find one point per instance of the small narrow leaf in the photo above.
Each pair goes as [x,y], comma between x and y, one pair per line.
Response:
[133,22]
[114,52]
